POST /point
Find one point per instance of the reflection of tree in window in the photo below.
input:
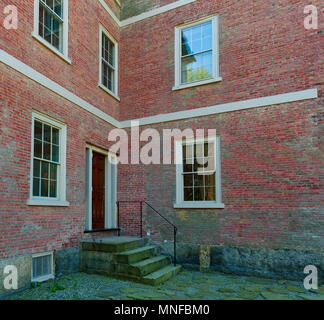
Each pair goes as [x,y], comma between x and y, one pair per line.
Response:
[196,53]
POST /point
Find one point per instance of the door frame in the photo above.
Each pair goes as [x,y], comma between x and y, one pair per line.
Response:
[110,178]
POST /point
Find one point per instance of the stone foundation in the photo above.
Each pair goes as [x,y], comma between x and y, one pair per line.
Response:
[66,261]
[269,263]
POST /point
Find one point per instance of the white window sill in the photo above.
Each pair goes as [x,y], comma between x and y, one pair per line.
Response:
[199,205]
[44,278]
[108,91]
[197,83]
[48,203]
[49,46]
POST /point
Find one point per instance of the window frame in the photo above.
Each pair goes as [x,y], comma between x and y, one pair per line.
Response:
[60,200]
[215,54]
[64,54]
[102,30]
[180,203]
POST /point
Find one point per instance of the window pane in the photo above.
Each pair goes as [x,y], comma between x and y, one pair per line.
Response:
[36,168]
[53,172]
[45,170]
[55,136]
[53,189]
[36,187]
[197,67]
[38,130]
[199,194]
[187,165]
[55,153]
[188,180]
[188,194]
[49,3]
[198,180]
[210,194]
[210,180]
[58,7]
[47,133]
[46,151]
[37,148]
[44,188]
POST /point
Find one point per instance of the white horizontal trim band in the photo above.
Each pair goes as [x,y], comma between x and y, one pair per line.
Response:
[227,107]
[53,86]
[29,72]
[155,12]
[144,15]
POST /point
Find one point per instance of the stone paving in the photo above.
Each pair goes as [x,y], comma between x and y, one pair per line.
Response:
[187,285]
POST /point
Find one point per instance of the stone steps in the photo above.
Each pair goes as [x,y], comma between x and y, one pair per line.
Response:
[135,255]
[126,258]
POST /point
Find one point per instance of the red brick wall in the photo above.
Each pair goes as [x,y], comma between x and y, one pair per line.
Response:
[264,50]
[81,77]
[272,158]
[26,229]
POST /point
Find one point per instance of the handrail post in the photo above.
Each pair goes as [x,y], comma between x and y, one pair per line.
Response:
[141,220]
[118,219]
[175,246]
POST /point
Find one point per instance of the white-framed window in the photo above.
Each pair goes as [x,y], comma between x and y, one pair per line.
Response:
[198,173]
[42,267]
[196,53]
[108,62]
[51,25]
[48,163]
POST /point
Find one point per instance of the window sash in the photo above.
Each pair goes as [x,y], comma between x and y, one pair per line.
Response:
[51,11]
[43,29]
[37,191]
[201,173]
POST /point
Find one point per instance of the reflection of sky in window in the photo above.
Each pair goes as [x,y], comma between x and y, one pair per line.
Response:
[197,52]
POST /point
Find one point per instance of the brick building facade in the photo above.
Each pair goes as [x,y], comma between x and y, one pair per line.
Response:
[263,94]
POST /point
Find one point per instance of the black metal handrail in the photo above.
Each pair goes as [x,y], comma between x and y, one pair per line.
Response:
[175,229]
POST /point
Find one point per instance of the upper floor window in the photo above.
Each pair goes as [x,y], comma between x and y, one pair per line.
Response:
[196,49]
[51,25]
[198,173]
[108,78]
[51,22]
[48,162]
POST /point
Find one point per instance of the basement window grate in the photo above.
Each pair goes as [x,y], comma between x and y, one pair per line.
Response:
[42,267]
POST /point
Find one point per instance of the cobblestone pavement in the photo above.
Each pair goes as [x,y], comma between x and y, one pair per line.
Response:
[187,285]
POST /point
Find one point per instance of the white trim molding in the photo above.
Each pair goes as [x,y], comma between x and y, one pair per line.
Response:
[60,200]
[64,54]
[226,107]
[144,15]
[36,76]
[156,11]
[178,85]
[180,203]
[110,12]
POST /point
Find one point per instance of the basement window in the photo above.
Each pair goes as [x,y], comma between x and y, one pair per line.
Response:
[196,53]
[108,63]
[198,173]
[48,166]
[42,267]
